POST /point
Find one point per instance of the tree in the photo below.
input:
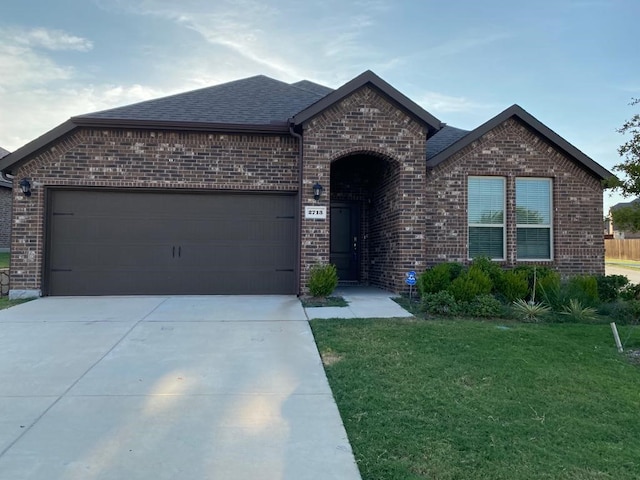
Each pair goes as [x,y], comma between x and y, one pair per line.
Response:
[628,218]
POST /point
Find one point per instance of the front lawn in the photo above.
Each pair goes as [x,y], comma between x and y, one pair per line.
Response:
[5,258]
[460,399]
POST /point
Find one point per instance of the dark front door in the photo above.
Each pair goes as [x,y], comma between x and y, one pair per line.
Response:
[345,238]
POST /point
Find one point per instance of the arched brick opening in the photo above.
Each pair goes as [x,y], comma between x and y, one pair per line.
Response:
[365,219]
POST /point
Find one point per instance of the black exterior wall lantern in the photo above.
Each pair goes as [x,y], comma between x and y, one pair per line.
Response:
[25,186]
[317,191]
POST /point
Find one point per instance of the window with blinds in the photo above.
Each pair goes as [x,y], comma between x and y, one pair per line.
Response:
[534,218]
[486,217]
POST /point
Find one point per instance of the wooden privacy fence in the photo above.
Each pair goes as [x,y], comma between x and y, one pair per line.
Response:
[627,249]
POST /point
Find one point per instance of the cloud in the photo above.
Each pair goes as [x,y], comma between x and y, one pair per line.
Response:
[464,43]
[40,93]
[22,66]
[441,103]
[53,40]
[36,111]
[286,39]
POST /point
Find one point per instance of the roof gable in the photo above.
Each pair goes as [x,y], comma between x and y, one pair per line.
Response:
[532,122]
[370,78]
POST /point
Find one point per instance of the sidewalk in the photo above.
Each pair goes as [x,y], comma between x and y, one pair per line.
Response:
[364,302]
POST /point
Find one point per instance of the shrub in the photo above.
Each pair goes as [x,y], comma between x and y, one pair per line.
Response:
[623,312]
[485,306]
[552,291]
[513,285]
[323,280]
[438,277]
[530,311]
[630,292]
[610,286]
[470,284]
[576,312]
[583,288]
[543,277]
[491,269]
[441,303]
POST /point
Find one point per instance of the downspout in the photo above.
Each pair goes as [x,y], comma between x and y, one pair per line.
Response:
[299,216]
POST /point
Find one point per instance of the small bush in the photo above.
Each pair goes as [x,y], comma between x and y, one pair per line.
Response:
[441,303]
[543,277]
[583,288]
[438,277]
[470,284]
[621,311]
[576,312]
[491,269]
[611,286]
[485,306]
[554,293]
[630,292]
[530,311]
[513,285]
[323,280]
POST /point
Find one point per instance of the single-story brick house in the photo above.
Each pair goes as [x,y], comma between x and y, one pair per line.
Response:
[242,187]
[6,198]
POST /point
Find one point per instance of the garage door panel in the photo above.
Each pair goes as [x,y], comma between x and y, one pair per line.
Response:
[106,243]
[90,255]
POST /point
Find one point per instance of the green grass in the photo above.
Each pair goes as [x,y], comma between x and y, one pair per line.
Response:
[6,303]
[324,302]
[478,400]
[5,257]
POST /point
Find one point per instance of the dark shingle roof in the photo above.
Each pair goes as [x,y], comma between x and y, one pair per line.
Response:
[446,137]
[632,203]
[3,152]
[258,100]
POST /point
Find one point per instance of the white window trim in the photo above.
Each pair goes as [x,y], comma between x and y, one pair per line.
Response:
[504,215]
[540,225]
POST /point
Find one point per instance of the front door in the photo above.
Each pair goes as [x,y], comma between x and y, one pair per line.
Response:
[345,238]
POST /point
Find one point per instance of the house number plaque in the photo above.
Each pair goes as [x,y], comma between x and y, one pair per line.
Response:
[315,212]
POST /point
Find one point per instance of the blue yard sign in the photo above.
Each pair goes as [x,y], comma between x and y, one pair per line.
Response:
[411,278]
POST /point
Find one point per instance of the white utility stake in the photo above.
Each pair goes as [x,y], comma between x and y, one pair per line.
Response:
[616,336]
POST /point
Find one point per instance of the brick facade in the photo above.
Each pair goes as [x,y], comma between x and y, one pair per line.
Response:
[5,217]
[366,123]
[512,150]
[363,148]
[142,159]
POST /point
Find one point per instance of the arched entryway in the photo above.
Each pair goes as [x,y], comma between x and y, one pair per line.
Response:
[365,219]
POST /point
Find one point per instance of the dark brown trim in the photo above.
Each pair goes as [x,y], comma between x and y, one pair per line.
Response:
[368,77]
[190,126]
[531,122]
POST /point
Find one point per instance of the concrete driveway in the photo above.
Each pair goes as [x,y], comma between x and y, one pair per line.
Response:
[166,388]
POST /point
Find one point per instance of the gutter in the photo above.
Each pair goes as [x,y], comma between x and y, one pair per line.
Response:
[299,216]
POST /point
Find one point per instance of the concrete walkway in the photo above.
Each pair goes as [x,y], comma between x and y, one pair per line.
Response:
[364,302]
[132,388]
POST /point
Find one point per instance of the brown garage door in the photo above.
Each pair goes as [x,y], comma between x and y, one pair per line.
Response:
[136,243]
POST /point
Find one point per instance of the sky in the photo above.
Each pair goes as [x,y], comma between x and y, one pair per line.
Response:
[572,64]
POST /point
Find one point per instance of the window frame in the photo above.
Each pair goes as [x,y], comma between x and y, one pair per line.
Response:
[503,225]
[549,226]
